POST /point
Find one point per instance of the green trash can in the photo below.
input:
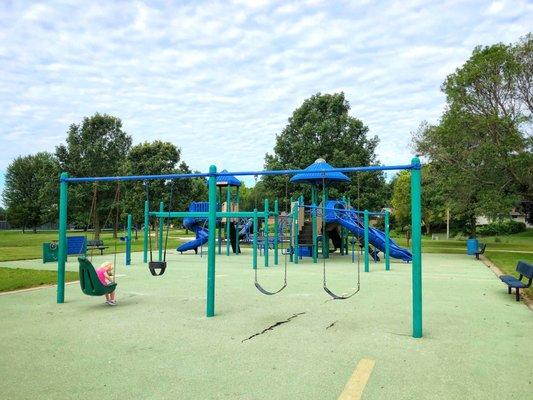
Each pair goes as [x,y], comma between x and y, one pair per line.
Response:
[49,252]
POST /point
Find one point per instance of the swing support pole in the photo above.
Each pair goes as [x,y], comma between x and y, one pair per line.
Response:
[146,231]
[266,234]
[254,245]
[228,209]
[160,236]
[211,254]
[416,243]
[62,248]
[237,224]
[387,240]
[367,258]
[276,231]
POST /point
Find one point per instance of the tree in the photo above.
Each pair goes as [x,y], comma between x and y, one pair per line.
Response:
[322,128]
[481,149]
[96,147]
[156,158]
[30,192]
[433,202]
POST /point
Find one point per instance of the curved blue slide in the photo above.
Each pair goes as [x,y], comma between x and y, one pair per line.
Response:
[336,213]
[195,225]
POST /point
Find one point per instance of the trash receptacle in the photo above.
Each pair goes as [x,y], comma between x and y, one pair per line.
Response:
[471,246]
[49,252]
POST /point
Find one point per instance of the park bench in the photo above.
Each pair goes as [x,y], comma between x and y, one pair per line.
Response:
[526,271]
[96,245]
[480,250]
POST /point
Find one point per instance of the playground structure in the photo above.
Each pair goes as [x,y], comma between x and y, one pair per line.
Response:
[305,222]
[349,218]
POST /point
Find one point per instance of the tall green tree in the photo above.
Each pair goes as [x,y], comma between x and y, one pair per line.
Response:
[322,128]
[433,201]
[156,158]
[96,147]
[481,149]
[30,192]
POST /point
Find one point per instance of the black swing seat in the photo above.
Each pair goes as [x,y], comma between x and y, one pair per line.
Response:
[264,291]
[89,282]
[156,266]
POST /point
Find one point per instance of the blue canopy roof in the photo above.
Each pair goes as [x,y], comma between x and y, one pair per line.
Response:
[318,171]
[227,180]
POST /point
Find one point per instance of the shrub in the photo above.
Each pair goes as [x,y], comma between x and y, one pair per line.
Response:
[501,228]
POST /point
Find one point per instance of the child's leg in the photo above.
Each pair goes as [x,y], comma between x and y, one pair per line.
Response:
[112,295]
[107,297]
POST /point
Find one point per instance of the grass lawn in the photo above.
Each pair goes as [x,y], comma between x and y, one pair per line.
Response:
[20,278]
[504,251]
[15,245]
[507,263]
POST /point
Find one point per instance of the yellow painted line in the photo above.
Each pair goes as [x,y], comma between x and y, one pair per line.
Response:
[357,382]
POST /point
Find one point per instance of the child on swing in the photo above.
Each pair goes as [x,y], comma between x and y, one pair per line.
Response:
[105,274]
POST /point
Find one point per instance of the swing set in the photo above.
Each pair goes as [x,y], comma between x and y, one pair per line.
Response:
[157,268]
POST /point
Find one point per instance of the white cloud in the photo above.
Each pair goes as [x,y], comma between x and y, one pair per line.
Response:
[220,79]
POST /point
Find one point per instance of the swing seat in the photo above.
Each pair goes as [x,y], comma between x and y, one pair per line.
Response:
[155,266]
[89,282]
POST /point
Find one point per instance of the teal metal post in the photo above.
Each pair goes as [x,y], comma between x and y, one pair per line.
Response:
[128,239]
[146,231]
[220,224]
[254,245]
[416,237]
[291,231]
[367,258]
[266,244]
[296,231]
[276,231]
[228,209]
[314,223]
[62,250]
[211,254]
[160,236]
[387,242]
[237,225]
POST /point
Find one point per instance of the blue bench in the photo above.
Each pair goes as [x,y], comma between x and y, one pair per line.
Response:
[526,271]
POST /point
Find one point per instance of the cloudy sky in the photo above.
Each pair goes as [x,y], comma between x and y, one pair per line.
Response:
[220,79]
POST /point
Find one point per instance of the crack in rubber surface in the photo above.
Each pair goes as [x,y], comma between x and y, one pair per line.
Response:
[271,327]
[331,325]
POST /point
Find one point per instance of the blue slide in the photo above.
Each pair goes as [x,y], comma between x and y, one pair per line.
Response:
[337,213]
[195,225]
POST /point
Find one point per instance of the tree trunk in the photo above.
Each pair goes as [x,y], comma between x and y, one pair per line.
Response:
[34,229]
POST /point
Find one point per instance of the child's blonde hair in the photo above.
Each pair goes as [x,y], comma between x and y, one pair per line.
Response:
[106,264]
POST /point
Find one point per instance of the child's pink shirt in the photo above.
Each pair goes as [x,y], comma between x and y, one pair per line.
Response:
[101,275]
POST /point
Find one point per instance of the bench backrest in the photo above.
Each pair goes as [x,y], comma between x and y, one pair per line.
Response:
[95,243]
[525,269]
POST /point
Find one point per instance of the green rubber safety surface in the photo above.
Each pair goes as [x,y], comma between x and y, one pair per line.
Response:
[158,344]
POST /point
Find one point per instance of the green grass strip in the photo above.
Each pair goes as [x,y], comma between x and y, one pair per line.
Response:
[21,278]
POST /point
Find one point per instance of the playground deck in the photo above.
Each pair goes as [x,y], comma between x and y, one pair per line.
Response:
[158,344]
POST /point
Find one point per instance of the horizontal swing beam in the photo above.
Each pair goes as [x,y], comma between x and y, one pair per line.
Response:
[239,173]
[191,214]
